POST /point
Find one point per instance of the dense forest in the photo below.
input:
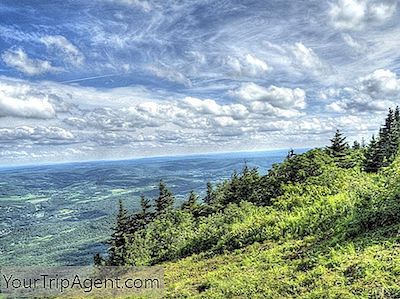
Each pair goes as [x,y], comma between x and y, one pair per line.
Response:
[323,224]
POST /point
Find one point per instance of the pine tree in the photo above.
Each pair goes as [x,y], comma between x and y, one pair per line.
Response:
[394,135]
[397,118]
[338,149]
[382,151]
[210,196]
[356,145]
[249,184]
[372,158]
[145,215]
[190,204]
[233,191]
[98,260]
[385,139]
[118,238]
[165,200]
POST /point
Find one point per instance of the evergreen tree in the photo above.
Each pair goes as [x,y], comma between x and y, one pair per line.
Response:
[118,238]
[98,260]
[356,145]
[210,196]
[165,200]
[191,203]
[372,158]
[338,149]
[145,215]
[232,193]
[385,138]
[382,151]
[397,119]
[249,184]
[394,135]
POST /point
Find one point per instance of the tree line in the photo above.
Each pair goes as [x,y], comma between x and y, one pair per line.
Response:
[135,239]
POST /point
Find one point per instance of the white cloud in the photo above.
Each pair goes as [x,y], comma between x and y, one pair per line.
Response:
[36,134]
[30,107]
[142,4]
[70,52]
[280,97]
[248,65]
[237,111]
[355,14]
[307,59]
[264,108]
[381,11]
[380,84]
[18,59]
[359,46]
[375,92]
[18,101]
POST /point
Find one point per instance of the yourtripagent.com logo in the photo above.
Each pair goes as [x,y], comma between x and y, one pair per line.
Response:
[72,282]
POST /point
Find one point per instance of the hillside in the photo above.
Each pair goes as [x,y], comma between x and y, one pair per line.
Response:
[343,245]
[322,224]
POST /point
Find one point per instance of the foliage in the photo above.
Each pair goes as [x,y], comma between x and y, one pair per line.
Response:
[382,151]
[338,149]
[315,226]
[165,199]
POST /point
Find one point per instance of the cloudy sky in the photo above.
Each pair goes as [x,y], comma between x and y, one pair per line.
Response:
[111,79]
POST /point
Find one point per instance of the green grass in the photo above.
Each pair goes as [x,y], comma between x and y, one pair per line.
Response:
[368,267]
[312,243]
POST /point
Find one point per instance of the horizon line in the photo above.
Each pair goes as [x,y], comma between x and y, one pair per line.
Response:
[22,165]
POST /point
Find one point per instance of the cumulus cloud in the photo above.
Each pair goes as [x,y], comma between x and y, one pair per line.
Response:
[374,92]
[208,106]
[306,59]
[61,44]
[18,101]
[356,14]
[19,60]
[380,84]
[30,107]
[280,97]
[248,65]
[38,134]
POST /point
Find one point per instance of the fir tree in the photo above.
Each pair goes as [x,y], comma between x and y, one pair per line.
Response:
[394,135]
[356,145]
[382,151]
[190,204]
[98,260]
[385,138]
[232,194]
[248,184]
[118,238]
[372,158]
[165,200]
[210,197]
[338,149]
[145,215]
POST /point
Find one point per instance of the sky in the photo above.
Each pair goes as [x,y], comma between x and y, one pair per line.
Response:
[116,79]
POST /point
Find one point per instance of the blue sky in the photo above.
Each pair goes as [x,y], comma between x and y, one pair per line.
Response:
[110,79]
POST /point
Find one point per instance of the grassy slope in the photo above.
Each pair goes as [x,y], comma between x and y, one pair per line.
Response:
[334,236]
[367,267]
[345,245]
